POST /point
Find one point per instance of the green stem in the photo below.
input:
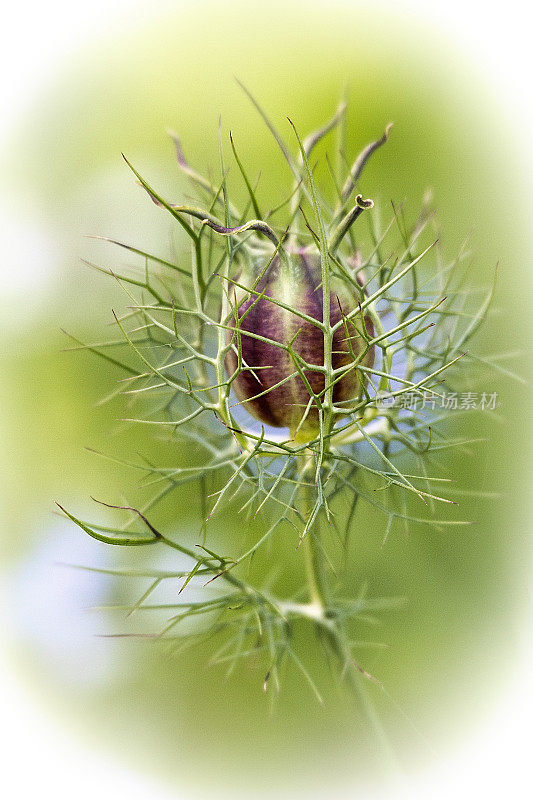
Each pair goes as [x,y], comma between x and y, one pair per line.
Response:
[314,558]
[315,573]
[317,584]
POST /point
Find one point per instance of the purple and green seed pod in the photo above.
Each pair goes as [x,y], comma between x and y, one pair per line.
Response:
[269,371]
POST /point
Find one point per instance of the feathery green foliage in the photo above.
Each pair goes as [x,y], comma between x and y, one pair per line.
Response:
[377,450]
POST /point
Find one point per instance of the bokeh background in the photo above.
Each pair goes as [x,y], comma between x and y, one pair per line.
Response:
[451,650]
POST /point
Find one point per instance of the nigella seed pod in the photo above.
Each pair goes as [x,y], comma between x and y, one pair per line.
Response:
[289,319]
[269,383]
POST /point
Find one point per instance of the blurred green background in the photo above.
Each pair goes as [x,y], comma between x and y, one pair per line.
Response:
[449,647]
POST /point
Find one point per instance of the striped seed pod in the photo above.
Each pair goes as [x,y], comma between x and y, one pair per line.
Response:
[272,383]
